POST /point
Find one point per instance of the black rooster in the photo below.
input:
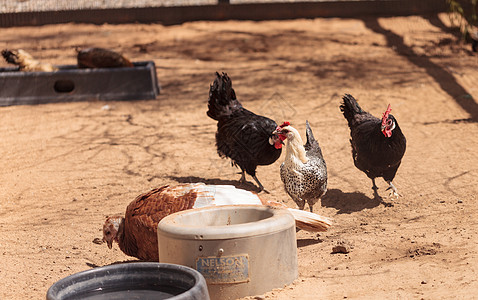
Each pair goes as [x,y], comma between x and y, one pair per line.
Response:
[244,137]
[377,145]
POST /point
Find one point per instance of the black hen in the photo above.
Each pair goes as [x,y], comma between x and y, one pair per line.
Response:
[378,145]
[244,137]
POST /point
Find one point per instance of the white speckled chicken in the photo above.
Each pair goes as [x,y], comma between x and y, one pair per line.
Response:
[304,172]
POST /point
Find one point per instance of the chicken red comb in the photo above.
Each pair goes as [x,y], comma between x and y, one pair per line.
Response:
[385,115]
[286,123]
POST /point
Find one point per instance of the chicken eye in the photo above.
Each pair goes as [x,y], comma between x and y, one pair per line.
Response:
[389,122]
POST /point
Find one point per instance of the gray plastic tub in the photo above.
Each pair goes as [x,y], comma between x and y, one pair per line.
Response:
[144,281]
[241,250]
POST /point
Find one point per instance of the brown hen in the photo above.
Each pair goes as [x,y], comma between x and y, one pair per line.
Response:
[101,58]
[136,232]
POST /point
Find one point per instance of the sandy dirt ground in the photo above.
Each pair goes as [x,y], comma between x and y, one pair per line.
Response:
[65,167]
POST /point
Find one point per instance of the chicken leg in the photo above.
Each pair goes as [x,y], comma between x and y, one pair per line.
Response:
[261,187]
[380,199]
[243,176]
[376,196]
[300,202]
[311,204]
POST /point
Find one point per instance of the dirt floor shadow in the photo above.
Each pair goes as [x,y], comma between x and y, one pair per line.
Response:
[442,76]
[91,265]
[194,179]
[347,203]
[307,242]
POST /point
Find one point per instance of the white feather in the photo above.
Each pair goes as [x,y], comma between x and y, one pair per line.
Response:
[211,195]
[215,195]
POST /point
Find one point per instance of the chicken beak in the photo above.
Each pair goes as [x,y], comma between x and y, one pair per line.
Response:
[276,133]
[109,243]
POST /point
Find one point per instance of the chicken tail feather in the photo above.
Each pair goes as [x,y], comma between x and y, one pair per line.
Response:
[222,98]
[350,108]
[309,221]
[312,145]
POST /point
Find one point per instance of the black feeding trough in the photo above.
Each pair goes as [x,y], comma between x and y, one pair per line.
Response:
[143,280]
[70,83]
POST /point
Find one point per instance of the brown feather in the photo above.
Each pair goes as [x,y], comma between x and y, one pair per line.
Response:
[101,58]
[139,232]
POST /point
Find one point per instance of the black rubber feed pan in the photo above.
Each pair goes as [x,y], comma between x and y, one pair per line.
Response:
[148,280]
[70,84]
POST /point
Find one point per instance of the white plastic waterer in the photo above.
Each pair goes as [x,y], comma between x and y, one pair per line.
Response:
[241,250]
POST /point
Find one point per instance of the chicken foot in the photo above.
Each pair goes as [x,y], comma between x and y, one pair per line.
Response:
[394,191]
[377,197]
